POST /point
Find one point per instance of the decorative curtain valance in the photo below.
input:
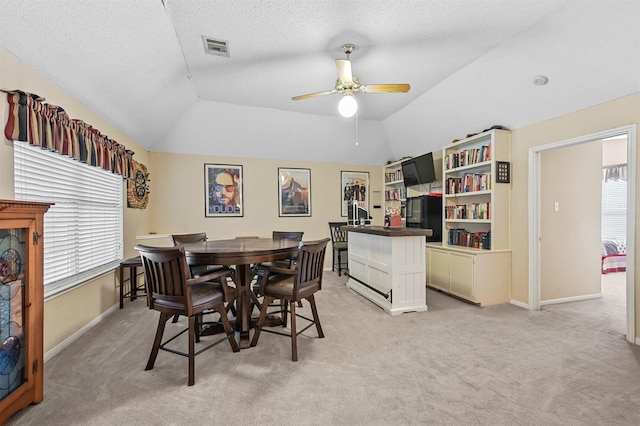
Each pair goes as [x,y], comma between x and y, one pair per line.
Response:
[617,172]
[49,127]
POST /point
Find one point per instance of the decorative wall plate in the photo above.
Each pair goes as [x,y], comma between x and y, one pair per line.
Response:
[138,187]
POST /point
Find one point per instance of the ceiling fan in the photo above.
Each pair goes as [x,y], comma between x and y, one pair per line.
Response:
[347,84]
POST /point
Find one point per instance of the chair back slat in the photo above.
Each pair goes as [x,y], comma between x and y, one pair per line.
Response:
[166,273]
[337,234]
[179,239]
[310,265]
[287,235]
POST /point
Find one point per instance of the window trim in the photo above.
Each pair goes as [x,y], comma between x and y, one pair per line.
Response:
[76,281]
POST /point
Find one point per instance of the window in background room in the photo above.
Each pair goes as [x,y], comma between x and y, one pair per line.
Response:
[614,209]
[83,230]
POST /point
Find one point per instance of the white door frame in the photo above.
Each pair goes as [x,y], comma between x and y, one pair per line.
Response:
[535,159]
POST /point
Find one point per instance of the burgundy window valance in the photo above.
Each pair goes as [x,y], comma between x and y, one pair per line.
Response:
[49,127]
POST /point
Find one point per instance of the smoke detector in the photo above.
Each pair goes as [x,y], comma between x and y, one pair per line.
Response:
[540,80]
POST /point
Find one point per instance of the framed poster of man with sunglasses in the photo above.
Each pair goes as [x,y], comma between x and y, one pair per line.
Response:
[223,190]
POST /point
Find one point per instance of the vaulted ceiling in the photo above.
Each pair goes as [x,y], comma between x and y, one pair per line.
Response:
[141,64]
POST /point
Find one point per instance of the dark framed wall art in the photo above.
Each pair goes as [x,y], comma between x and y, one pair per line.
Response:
[223,190]
[354,186]
[294,192]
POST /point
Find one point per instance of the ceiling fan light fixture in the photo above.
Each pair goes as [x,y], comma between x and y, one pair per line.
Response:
[348,106]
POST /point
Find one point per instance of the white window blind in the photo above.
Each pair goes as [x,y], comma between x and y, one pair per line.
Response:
[83,230]
[614,209]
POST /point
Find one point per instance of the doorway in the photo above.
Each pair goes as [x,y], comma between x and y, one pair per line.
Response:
[535,222]
[614,231]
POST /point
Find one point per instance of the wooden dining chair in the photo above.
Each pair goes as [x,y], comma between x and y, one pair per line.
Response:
[197,270]
[285,235]
[304,280]
[172,291]
[339,244]
[286,263]
[198,237]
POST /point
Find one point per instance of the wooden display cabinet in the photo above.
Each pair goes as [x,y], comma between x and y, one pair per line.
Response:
[21,305]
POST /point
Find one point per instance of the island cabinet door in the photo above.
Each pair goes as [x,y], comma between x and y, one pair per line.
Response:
[462,269]
[438,269]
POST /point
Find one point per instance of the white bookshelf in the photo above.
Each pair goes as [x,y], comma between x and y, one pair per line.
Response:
[473,261]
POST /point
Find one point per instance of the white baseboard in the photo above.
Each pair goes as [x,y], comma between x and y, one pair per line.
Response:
[519,304]
[571,299]
[75,336]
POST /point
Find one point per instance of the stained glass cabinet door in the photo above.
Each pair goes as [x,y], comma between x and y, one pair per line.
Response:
[21,305]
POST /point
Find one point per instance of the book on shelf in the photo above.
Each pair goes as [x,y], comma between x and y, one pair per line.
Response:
[395,194]
[467,157]
[393,176]
[469,182]
[468,211]
[463,238]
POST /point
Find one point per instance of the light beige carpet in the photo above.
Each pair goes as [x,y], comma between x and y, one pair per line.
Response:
[455,364]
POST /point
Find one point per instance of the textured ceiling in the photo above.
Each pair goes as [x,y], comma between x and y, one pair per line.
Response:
[141,63]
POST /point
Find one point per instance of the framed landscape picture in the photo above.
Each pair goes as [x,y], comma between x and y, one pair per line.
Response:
[294,192]
[223,190]
[354,186]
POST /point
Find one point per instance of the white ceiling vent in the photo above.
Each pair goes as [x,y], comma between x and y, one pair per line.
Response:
[213,46]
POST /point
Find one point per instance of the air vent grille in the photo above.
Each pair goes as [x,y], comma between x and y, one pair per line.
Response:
[214,46]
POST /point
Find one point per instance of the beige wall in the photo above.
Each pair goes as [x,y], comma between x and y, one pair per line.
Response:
[570,237]
[178,196]
[179,179]
[614,152]
[66,314]
[617,113]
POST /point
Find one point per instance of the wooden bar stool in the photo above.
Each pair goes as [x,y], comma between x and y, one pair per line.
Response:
[135,289]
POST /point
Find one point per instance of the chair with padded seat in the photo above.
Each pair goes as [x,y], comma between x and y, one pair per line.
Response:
[339,244]
[173,291]
[287,263]
[304,280]
[197,270]
[135,289]
[286,235]
[180,239]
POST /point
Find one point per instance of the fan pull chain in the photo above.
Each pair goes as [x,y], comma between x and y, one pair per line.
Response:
[356,128]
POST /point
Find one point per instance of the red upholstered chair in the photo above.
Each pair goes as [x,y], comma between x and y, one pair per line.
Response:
[303,281]
[172,291]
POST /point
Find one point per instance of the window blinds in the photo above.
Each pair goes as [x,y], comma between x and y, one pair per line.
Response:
[614,209]
[83,230]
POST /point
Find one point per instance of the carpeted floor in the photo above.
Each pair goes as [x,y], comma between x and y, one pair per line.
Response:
[455,364]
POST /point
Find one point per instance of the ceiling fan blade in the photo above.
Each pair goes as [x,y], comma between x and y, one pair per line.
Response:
[313,95]
[344,70]
[385,88]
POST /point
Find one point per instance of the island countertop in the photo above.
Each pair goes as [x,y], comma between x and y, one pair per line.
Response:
[389,232]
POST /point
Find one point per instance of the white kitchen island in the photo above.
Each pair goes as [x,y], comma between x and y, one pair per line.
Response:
[387,266]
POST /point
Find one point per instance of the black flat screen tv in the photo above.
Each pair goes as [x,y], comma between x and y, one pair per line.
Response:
[419,170]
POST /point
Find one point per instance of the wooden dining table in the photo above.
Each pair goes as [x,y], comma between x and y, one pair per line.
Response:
[242,253]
